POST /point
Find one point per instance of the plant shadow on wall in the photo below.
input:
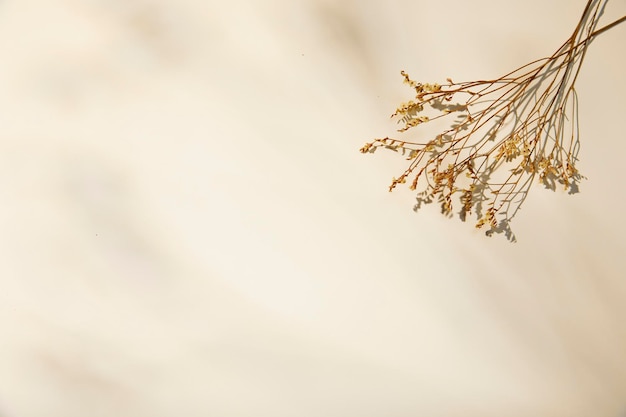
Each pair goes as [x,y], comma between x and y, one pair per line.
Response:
[499,137]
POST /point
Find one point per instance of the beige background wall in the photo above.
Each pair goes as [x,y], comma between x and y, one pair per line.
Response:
[187,227]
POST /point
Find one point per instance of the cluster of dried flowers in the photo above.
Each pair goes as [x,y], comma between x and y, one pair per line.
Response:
[502,134]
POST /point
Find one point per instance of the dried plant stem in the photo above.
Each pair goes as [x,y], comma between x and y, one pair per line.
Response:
[501,135]
[609,26]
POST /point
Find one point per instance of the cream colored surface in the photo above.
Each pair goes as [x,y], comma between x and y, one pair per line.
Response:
[187,227]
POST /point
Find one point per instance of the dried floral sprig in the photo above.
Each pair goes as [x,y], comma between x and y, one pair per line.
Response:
[502,134]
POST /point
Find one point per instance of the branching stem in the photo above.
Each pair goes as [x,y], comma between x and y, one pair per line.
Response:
[503,133]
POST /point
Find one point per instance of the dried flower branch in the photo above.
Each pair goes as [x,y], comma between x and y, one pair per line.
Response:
[502,134]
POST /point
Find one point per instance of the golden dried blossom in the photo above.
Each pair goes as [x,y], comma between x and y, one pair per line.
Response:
[503,133]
